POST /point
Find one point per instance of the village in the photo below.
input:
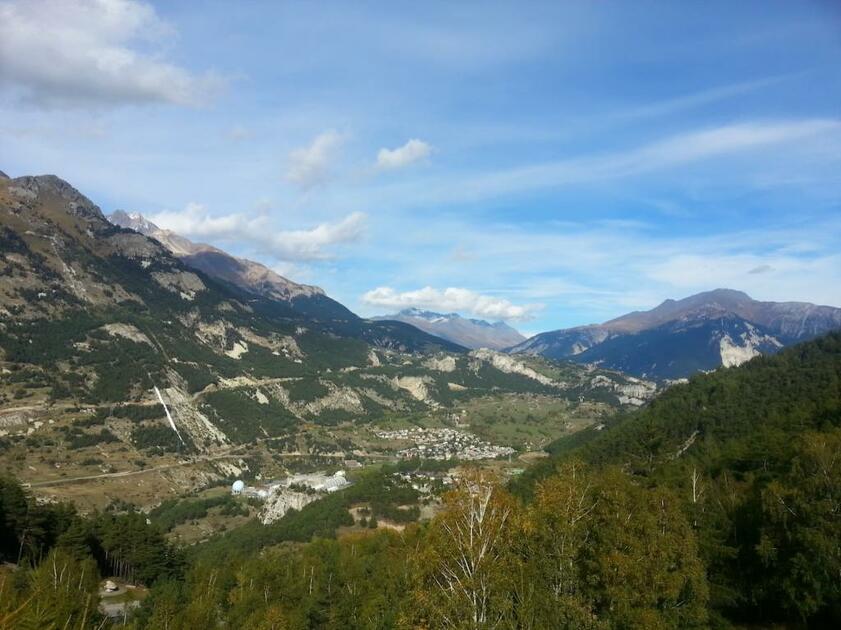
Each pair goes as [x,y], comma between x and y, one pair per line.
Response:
[443,444]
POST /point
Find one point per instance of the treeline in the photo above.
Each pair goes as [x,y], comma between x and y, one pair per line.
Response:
[594,550]
[58,557]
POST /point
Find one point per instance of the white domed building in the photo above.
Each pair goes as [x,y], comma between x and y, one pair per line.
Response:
[238,487]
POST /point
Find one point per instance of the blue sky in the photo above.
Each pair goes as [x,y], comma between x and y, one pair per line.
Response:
[551,164]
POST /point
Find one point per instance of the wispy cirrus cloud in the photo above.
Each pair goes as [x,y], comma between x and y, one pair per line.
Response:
[659,155]
[101,52]
[591,271]
[310,166]
[450,299]
[654,157]
[410,153]
[260,232]
[669,106]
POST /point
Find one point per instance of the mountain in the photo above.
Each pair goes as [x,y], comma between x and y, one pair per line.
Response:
[680,337]
[63,255]
[470,333]
[753,454]
[100,325]
[245,274]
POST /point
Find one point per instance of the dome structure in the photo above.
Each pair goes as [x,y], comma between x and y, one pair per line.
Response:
[238,487]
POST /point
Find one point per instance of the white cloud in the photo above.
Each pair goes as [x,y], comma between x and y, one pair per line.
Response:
[310,165]
[413,151]
[258,232]
[590,271]
[450,299]
[58,53]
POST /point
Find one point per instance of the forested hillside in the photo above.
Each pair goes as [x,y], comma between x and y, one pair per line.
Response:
[753,452]
[716,506]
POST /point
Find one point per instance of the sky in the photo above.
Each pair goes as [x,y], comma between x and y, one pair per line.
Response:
[547,164]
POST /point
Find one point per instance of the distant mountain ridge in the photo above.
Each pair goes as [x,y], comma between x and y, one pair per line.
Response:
[470,333]
[680,337]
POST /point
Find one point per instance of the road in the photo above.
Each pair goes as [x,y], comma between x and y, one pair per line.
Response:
[230,454]
[129,473]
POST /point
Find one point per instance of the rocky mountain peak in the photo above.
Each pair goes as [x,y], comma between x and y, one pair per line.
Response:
[678,337]
[246,274]
[428,315]
[134,221]
[30,187]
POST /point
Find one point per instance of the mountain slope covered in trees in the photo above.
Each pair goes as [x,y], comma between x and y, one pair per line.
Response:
[715,506]
[753,452]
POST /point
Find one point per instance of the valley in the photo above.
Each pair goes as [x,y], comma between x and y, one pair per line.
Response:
[420,316]
[178,414]
[260,376]
[243,425]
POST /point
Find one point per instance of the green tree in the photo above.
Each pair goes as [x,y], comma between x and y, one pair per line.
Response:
[465,566]
[61,593]
[800,544]
[604,551]
[642,558]
[557,529]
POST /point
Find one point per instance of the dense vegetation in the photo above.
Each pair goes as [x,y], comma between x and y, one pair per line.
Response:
[61,555]
[174,511]
[718,505]
[243,418]
[752,451]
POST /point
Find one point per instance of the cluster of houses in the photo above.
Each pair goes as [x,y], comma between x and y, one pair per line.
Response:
[427,482]
[443,443]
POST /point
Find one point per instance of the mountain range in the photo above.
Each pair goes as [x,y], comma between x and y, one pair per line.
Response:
[679,337]
[64,258]
[672,341]
[98,318]
[470,333]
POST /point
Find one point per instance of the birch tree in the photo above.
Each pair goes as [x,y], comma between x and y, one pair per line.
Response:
[557,529]
[467,565]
